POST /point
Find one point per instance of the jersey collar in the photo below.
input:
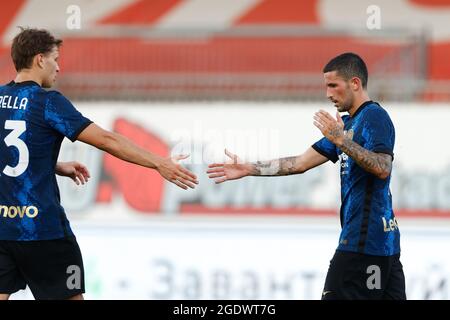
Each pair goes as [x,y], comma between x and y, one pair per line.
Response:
[23,83]
[365,104]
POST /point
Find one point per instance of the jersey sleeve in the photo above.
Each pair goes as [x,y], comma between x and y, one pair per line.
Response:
[326,148]
[378,132]
[62,116]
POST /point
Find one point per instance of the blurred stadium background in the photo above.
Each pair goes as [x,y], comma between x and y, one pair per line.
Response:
[197,76]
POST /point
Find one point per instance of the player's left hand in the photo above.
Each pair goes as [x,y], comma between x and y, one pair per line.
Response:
[332,129]
[74,170]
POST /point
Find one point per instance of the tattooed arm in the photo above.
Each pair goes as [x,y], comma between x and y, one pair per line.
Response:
[379,164]
[286,166]
[276,167]
[236,169]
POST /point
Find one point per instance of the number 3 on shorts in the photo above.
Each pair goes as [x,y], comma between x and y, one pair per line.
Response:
[12,139]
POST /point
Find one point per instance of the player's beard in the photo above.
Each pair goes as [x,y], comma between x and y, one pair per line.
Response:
[348,101]
[344,107]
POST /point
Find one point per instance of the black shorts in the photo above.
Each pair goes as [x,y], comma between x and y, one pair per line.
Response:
[53,269]
[354,275]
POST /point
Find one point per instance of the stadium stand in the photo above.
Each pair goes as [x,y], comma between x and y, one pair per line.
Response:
[256,49]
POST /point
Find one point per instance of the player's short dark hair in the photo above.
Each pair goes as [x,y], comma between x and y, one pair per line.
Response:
[349,65]
[30,42]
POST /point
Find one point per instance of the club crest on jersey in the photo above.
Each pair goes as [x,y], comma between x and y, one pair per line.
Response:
[349,133]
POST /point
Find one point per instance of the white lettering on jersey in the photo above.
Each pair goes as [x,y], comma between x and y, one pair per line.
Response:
[390,225]
[10,102]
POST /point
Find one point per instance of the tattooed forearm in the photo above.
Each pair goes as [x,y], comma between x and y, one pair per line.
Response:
[336,133]
[379,164]
[277,167]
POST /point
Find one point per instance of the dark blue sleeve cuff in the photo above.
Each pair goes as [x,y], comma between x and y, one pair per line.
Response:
[331,157]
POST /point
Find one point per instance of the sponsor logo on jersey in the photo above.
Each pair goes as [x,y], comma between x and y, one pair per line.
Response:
[18,211]
[390,225]
[343,157]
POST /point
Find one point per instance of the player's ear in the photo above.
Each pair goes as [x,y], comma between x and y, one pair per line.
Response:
[39,60]
[355,83]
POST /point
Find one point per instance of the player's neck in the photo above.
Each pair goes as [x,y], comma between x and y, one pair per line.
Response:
[357,103]
[28,75]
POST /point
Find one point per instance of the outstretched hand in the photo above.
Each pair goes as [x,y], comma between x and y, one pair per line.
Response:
[172,171]
[230,170]
[74,170]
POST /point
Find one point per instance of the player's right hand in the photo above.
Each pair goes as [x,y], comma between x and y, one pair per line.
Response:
[171,170]
[231,170]
[74,170]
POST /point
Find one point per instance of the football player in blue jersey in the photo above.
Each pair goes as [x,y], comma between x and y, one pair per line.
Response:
[37,245]
[366,264]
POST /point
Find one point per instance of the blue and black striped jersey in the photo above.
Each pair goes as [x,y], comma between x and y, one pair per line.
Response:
[368,222]
[33,124]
